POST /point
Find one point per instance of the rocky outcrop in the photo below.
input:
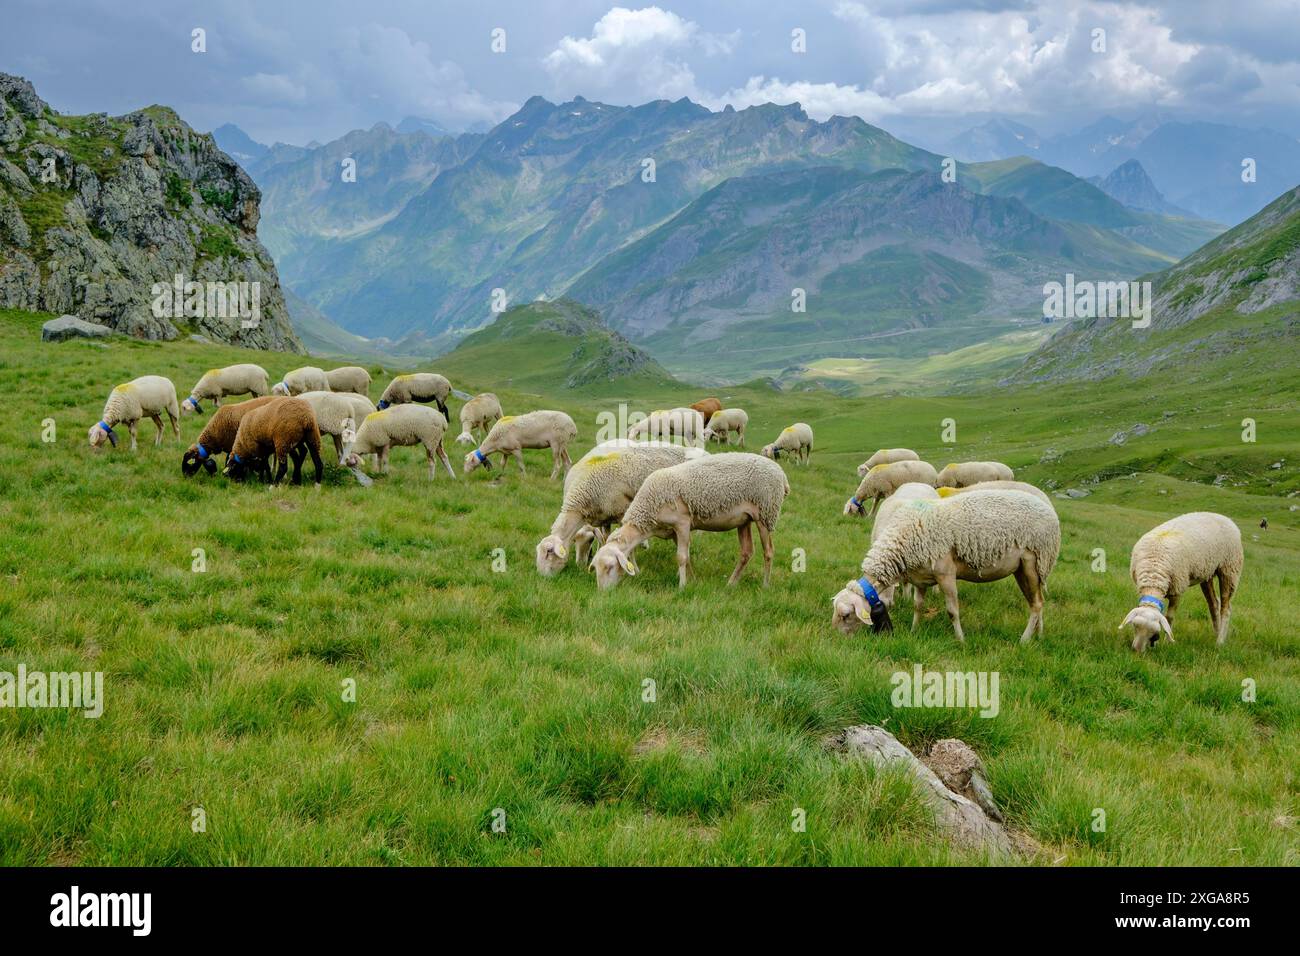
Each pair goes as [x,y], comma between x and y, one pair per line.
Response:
[99,216]
[71,327]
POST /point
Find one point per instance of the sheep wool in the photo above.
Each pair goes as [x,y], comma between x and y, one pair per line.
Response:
[726,422]
[218,383]
[911,491]
[961,474]
[405,424]
[881,481]
[795,440]
[149,396]
[887,456]
[337,416]
[480,413]
[349,378]
[218,435]
[545,428]
[1026,487]
[418,387]
[280,430]
[664,424]
[707,407]
[305,379]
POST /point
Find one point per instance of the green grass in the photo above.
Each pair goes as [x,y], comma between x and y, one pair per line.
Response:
[479,690]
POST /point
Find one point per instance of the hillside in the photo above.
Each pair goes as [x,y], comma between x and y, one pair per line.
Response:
[94,210]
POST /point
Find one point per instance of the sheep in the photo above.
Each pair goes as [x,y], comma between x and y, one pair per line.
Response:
[909,491]
[145,397]
[665,424]
[305,379]
[972,472]
[1024,486]
[711,493]
[401,425]
[280,430]
[1191,549]
[726,421]
[597,491]
[418,387]
[349,378]
[707,407]
[981,536]
[218,435]
[881,481]
[797,439]
[513,433]
[217,383]
[337,414]
[480,412]
[887,456]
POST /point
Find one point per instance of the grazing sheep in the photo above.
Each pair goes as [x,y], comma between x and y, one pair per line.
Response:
[218,435]
[217,383]
[967,473]
[881,481]
[707,407]
[145,397]
[401,425]
[887,456]
[480,412]
[666,424]
[277,429]
[349,378]
[981,536]
[711,493]
[1024,486]
[337,415]
[1191,549]
[910,491]
[597,491]
[725,422]
[309,378]
[797,440]
[418,387]
[513,433]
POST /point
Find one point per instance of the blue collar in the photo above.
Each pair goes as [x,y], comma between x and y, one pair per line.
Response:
[869,592]
[236,459]
[382,404]
[481,457]
[106,426]
[856,502]
[203,452]
[194,404]
[1153,601]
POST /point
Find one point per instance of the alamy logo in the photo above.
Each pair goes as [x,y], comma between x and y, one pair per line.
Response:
[208,300]
[1088,300]
[77,690]
[921,688]
[103,909]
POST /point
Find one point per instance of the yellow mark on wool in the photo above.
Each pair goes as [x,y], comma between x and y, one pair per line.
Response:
[874,468]
[211,371]
[596,461]
[376,414]
[946,492]
[125,387]
[1168,533]
[787,429]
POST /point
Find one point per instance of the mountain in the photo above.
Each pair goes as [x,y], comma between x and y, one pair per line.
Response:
[996,139]
[239,145]
[414,124]
[1128,183]
[95,210]
[1238,295]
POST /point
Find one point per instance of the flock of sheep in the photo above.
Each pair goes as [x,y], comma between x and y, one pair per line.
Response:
[970,521]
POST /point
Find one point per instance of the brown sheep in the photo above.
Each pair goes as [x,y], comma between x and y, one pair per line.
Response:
[706,407]
[278,429]
[219,436]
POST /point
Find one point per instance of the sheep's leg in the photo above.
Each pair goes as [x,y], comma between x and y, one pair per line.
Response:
[428,454]
[383,459]
[564,454]
[281,466]
[875,503]
[157,420]
[176,423]
[1212,602]
[746,535]
[298,453]
[1173,606]
[948,585]
[918,603]
[683,533]
[1227,585]
[1027,578]
[519,457]
[555,460]
[131,427]
[338,446]
[765,537]
[442,453]
[316,463]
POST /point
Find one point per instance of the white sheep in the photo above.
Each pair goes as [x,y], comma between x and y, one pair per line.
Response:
[910,491]
[736,490]
[418,387]
[337,415]
[982,536]
[148,396]
[1191,549]
[881,481]
[665,424]
[597,491]
[887,456]
[513,433]
[309,378]
[795,440]
[480,413]
[726,422]
[349,378]
[1024,486]
[218,383]
[964,473]
[401,425]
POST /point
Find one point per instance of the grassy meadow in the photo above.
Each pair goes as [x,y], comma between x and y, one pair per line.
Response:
[479,690]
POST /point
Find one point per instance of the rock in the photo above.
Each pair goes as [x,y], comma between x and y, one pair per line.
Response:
[961,770]
[1118,438]
[1137,431]
[201,339]
[71,327]
[463,396]
[1219,480]
[1077,493]
[1050,455]
[1276,466]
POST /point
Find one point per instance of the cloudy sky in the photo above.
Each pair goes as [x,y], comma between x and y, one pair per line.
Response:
[297,70]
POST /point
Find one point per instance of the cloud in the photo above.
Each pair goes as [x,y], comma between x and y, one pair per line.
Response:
[819,100]
[273,89]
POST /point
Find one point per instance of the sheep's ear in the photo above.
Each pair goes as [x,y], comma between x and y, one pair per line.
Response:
[1164,626]
[863,616]
[1127,619]
[561,551]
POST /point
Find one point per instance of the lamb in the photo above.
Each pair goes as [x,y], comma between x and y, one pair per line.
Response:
[796,439]
[972,472]
[401,425]
[480,412]
[887,456]
[217,383]
[1191,549]
[218,435]
[707,407]
[881,481]
[665,424]
[597,491]
[337,414]
[981,536]
[305,379]
[145,397]
[1024,486]
[724,423]
[910,491]
[711,493]
[349,378]
[418,387]
[513,433]
[277,429]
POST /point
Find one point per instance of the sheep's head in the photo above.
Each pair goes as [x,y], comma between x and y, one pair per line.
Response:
[351,460]
[99,433]
[863,469]
[1147,623]
[710,435]
[279,388]
[771,451]
[947,478]
[854,506]
[191,405]
[237,468]
[552,555]
[850,610]
[192,461]
[476,459]
[611,564]
[465,438]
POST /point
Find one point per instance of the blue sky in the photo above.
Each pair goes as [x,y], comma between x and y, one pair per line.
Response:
[296,70]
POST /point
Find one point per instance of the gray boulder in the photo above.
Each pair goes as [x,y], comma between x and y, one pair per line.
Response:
[71,327]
